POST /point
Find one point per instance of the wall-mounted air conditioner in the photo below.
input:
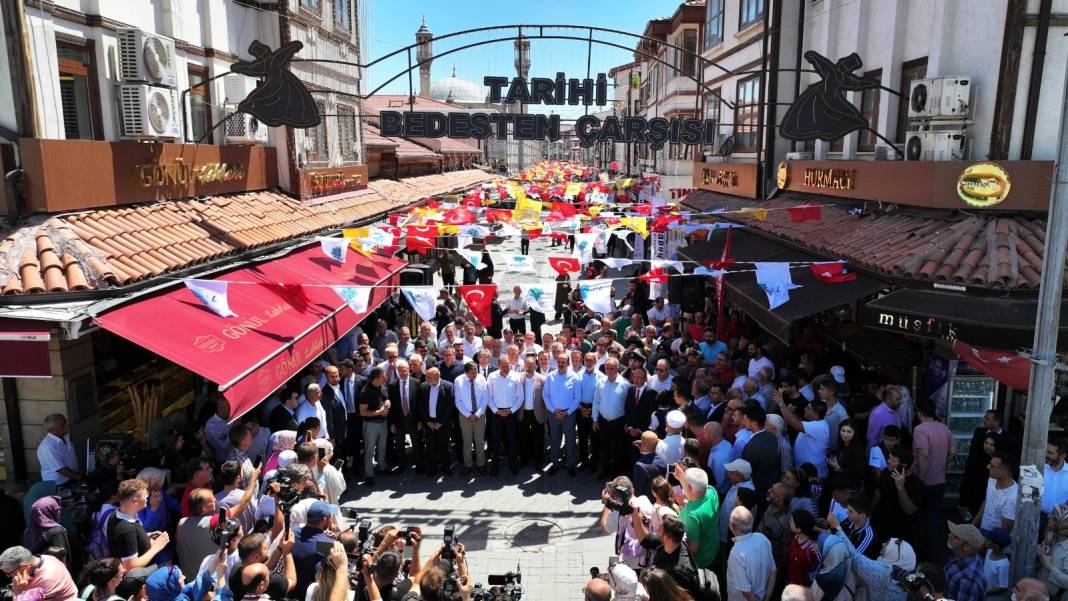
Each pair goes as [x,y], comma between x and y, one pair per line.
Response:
[245,129]
[940,98]
[799,156]
[146,57]
[149,112]
[936,145]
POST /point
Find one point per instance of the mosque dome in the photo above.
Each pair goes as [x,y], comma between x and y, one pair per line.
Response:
[454,89]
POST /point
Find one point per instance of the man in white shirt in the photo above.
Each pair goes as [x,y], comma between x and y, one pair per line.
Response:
[750,566]
[472,343]
[758,360]
[59,462]
[658,313]
[517,311]
[472,400]
[530,344]
[609,407]
[505,401]
[661,378]
[1055,477]
[311,407]
[670,449]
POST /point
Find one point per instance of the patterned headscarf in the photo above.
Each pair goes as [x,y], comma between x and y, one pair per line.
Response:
[1058,528]
[44,515]
[282,440]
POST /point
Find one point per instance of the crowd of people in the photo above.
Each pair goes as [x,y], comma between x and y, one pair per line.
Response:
[737,467]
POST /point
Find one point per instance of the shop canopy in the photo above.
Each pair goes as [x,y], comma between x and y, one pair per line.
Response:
[279,328]
[24,348]
[812,297]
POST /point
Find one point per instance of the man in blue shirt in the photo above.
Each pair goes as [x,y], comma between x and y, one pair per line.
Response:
[305,557]
[561,394]
[588,378]
[609,406]
[720,455]
[710,347]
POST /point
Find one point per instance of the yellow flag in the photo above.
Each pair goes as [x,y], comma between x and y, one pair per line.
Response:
[573,189]
[594,210]
[637,224]
[526,210]
[448,229]
[627,183]
[759,214]
[354,235]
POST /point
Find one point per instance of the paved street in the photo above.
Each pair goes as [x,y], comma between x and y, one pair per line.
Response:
[545,525]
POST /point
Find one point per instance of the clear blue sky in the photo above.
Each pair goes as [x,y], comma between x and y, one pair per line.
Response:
[393,26]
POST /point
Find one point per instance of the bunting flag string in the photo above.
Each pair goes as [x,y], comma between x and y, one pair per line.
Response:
[213,294]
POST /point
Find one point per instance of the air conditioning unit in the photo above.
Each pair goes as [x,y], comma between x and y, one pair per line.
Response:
[940,98]
[799,156]
[884,152]
[149,112]
[146,57]
[936,145]
[245,129]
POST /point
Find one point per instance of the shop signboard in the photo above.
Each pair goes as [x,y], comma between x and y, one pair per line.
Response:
[327,181]
[736,179]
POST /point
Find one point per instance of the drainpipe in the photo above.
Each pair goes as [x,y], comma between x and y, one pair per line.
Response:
[14,430]
[1034,85]
[800,52]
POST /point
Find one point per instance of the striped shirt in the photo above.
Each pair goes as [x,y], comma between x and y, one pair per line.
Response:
[863,538]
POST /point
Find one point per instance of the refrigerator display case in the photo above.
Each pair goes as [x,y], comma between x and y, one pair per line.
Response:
[969,395]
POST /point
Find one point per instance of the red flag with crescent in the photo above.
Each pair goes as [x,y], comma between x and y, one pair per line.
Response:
[420,238]
[1011,369]
[459,216]
[479,299]
[832,273]
[565,265]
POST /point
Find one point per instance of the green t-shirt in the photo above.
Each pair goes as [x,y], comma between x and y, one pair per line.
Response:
[701,519]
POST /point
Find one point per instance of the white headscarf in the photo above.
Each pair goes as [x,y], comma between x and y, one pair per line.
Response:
[900,554]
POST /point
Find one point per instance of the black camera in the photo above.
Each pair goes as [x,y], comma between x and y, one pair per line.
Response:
[225,530]
[79,500]
[687,463]
[406,534]
[449,538]
[620,499]
[502,586]
[916,586]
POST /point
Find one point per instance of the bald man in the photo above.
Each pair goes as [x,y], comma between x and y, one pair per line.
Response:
[649,465]
[720,455]
[1030,589]
[597,589]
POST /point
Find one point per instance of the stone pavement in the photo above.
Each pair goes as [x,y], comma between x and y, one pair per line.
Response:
[544,525]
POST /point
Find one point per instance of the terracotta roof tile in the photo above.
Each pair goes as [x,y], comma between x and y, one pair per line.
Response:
[111,247]
[991,251]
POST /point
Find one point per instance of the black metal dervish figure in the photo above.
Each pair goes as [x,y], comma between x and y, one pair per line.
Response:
[280,98]
[822,111]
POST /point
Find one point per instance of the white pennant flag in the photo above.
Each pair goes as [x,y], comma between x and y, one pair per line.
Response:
[661,263]
[584,247]
[539,298]
[600,243]
[379,237]
[597,295]
[714,273]
[519,263]
[474,230]
[422,299]
[463,241]
[617,263]
[622,235]
[775,280]
[335,248]
[507,230]
[474,257]
[213,294]
[356,297]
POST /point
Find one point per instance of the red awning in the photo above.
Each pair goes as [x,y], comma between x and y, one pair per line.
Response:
[24,348]
[276,332]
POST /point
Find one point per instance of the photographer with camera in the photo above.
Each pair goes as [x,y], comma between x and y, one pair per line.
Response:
[332,581]
[194,534]
[306,556]
[254,548]
[384,561]
[443,577]
[626,512]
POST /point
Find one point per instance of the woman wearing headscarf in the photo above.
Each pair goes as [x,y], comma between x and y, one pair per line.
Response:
[156,516]
[282,440]
[1053,554]
[45,531]
[874,575]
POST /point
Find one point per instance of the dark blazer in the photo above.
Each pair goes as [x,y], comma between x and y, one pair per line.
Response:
[762,453]
[648,466]
[716,414]
[446,407]
[396,411]
[637,414]
[336,415]
[281,419]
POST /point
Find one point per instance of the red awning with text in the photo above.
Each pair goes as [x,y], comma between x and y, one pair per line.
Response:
[279,327]
[24,348]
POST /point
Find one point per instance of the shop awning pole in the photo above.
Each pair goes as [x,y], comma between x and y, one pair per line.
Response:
[1044,359]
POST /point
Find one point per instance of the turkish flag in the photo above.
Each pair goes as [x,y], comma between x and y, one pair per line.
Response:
[561,236]
[291,293]
[1011,369]
[395,218]
[432,203]
[656,275]
[499,215]
[832,273]
[479,299]
[421,238]
[392,248]
[643,209]
[805,213]
[560,211]
[565,265]
[472,200]
[459,216]
[661,223]
[614,166]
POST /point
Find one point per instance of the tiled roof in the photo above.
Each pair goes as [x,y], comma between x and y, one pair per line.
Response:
[405,149]
[373,138]
[992,251]
[399,102]
[113,247]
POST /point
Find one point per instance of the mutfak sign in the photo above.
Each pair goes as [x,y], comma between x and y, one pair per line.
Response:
[541,90]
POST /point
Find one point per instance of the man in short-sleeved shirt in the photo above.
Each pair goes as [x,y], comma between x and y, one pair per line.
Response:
[932,443]
[700,515]
[812,443]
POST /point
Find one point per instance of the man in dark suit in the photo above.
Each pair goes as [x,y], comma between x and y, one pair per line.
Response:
[351,385]
[334,403]
[762,450]
[638,412]
[649,464]
[283,417]
[435,409]
[403,420]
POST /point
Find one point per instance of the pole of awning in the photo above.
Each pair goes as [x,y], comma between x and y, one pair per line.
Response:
[1044,360]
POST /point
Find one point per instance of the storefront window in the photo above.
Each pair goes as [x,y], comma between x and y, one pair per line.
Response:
[200,104]
[747,115]
[77,91]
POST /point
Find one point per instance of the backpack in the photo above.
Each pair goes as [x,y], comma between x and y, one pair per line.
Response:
[98,538]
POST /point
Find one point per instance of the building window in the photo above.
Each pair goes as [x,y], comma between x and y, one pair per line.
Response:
[910,72]
[713,23]
[869,107]
[712,114]
[346,132]
[751,12]
[316,139]
[747,115]
[200,104]
[686,61]
[343,15]
[314,7]
[77,92]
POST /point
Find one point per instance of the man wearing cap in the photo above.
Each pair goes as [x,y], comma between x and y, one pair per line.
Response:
[964,572]
[305,556]
[28,571]
[739,475]
[670,449]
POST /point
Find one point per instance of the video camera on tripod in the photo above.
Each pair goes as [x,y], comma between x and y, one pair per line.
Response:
[502,587]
